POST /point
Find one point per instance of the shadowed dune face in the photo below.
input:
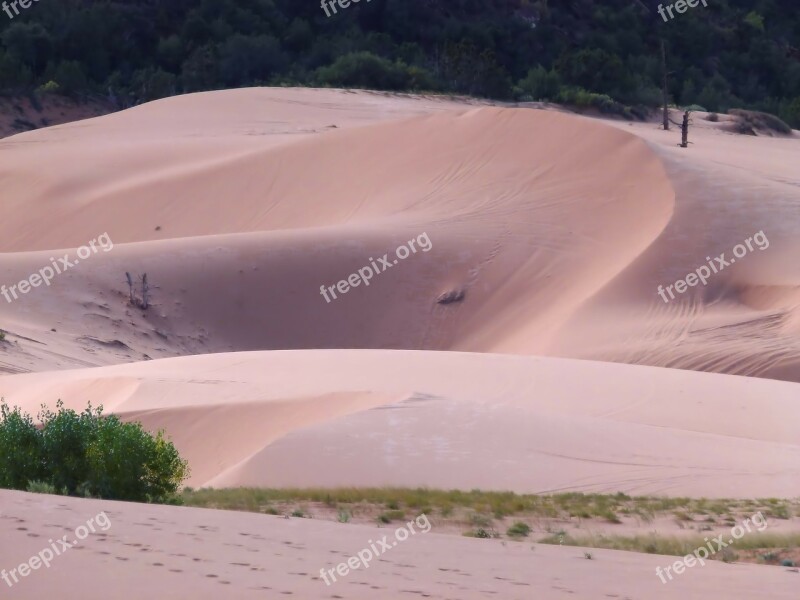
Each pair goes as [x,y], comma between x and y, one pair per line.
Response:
[552,231]
[528,213]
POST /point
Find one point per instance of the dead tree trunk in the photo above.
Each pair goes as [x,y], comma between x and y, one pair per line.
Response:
[130,287]
[664,92]
[685,130]
[146,289]
[144,301]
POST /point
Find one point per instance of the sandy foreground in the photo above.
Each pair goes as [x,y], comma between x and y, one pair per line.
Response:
[558,367]
[177,553]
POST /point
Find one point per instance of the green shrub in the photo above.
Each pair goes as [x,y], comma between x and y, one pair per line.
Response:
[580,98]
[366,70]
[20,449]
[41,487]
[479,533]
[539,84]
[51,87]
[519,529]
[87,454]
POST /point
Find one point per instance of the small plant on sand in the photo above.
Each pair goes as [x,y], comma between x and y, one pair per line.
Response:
[480,533]
[519,530]
[343,516]
[588,555]
[729,556]
[298,513]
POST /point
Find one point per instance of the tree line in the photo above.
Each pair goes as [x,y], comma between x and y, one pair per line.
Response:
[604,53]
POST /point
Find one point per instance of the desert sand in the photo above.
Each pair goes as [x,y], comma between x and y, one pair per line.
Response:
[561,369]
[177,553]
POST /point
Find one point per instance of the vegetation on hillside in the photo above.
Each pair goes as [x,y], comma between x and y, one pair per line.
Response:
[602,53]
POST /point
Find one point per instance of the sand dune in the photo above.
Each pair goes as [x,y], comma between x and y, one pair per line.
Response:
[374,418]
[557,228]
[550,233]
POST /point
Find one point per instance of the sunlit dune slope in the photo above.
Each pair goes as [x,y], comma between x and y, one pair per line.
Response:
[444,419]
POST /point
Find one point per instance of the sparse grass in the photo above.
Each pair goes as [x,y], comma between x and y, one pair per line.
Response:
[675,546]
[479,520]
[391,515]
[780,511]
[477,508]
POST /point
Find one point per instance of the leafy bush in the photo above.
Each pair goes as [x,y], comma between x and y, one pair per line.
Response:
[365,70]
[87,454]
[751,120]
[20,449]
[539,84]
[51,87]
[41,487]
[580,98]
[519,529]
